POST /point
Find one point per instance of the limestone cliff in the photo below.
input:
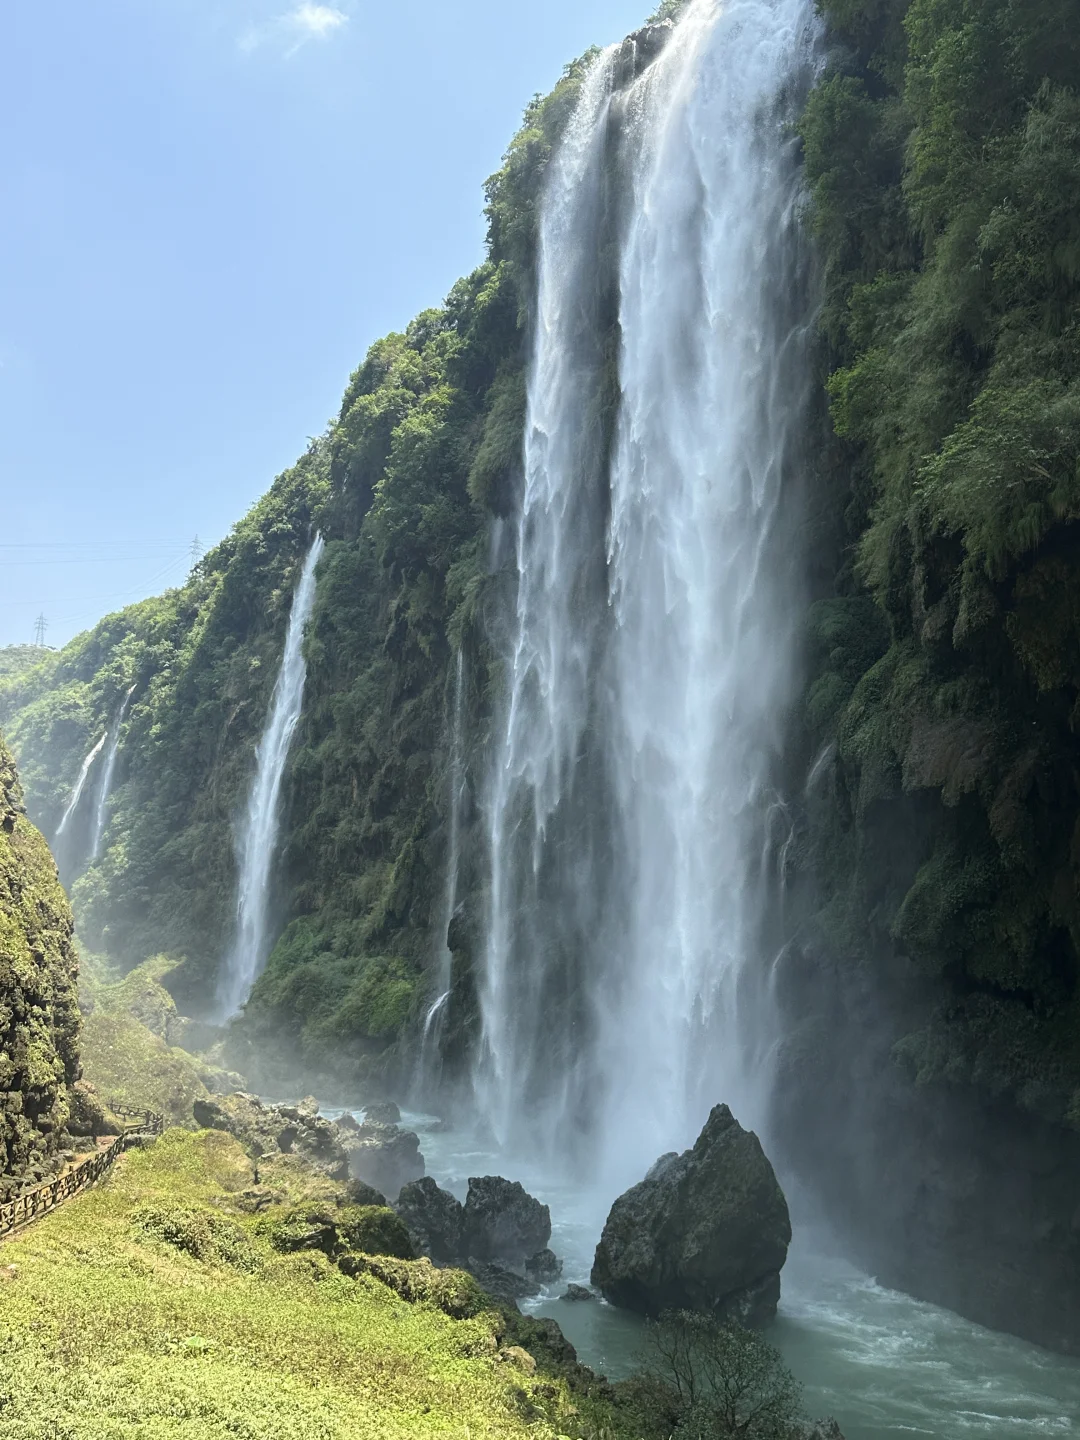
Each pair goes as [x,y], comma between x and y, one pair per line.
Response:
[39,1015]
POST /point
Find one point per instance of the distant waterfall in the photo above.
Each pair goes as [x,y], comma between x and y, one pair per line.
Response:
[657,581]
[109,768]
[257,843]
[80,785]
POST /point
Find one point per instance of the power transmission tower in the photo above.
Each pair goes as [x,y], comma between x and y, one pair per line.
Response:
[40,626]
[195,551]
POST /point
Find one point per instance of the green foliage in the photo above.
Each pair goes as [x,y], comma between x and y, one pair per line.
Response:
[197,1231]
[154,1306]
[704,1380]
[942,150]
[374,1230]
[39,1017]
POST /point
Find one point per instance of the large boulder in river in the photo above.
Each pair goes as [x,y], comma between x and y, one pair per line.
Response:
[385,1156]
[707,1230]
[503,1221]
[435,1220]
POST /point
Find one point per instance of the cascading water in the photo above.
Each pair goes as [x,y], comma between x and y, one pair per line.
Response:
[101,809]
[650,664]
[80,785]
[433,1020]
[257,842]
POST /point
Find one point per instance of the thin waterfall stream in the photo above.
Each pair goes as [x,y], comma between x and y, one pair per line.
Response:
[435,1017]
[257,840]
[101,808]
[80,785]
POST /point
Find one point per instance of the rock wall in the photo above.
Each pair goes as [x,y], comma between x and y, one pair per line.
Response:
[39,1015]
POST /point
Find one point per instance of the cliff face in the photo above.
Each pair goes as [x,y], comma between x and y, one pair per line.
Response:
[39,1015]
[405,487]
[932,995]
[933,998]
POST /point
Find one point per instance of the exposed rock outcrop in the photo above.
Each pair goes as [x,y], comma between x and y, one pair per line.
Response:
[385,1156]
[39,1013]
[383,1112]
[503,1221]
[277,1129]
[707,1230]
[435,1220]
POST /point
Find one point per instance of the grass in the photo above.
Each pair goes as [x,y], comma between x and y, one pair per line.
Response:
[132,1066]
[110,1328]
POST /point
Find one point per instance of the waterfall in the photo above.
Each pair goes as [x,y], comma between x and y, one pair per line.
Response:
[105,787]
[257,842]
[436,1015]
[80,785]
[657,580]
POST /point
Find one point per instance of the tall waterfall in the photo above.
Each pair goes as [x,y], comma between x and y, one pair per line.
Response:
[257,842]
[80,785]
[624,986]
[101,808]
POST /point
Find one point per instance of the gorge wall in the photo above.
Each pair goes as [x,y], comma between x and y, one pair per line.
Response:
[927,891]
[39,1015]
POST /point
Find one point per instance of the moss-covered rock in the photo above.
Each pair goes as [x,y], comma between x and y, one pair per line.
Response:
[39,1015]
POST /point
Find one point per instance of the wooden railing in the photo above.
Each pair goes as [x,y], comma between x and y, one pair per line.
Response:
[33,1204]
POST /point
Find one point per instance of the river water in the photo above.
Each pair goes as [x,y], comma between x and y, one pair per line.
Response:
[883,1364]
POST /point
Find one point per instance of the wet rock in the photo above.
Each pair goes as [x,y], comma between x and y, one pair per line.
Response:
[500,1282]
[435,1220]
[544,1266]
[578,1293]
[384,1112]
[386,1156]
[640,49]
[348,1122]
[709,1231]
[503,1221]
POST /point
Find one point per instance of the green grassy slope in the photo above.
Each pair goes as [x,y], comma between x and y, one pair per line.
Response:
[111,1331]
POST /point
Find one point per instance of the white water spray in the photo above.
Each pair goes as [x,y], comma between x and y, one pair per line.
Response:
[622,995]
[257,843]
[109,769]
[80,785]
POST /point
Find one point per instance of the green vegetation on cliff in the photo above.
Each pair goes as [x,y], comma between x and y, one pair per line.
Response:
[39,1017]
[943,152]
[403,487]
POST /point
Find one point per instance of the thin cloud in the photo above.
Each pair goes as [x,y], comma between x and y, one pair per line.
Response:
[293,31]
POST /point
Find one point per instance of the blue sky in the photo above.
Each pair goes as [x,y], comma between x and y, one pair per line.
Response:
[211,208]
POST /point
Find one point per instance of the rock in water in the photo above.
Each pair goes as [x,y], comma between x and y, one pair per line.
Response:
[384,1112]
[545,1266]
[503,1221]
[707,1230]
[385,1156]
[435,1220]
